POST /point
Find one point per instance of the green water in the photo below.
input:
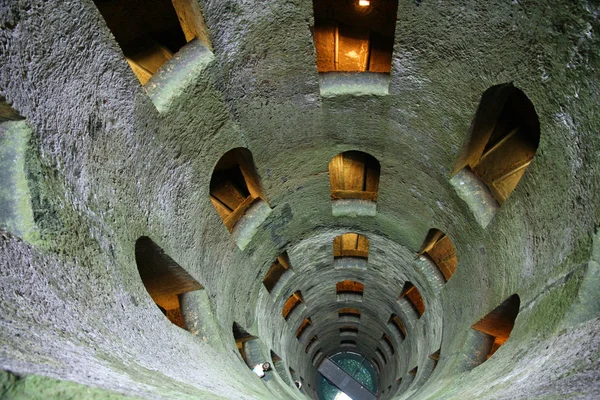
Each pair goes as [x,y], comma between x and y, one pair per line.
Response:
[357,367]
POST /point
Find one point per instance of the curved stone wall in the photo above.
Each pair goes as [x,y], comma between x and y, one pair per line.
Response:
[111,161]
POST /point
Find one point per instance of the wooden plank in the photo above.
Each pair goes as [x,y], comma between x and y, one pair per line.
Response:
[353,194]
[354,171]
[363,244]
[151,55]
[227,193]
[238,213]
[336,173]
[353,48]
[252,179]
[142,73]
[381,49]
[222,209]
[324,38]
[354,253]
[443,254]
[372,176]
[191,21]
[337,246]
[349,241]
[414,296]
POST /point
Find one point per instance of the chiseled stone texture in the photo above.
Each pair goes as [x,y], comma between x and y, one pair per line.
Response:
[105,168]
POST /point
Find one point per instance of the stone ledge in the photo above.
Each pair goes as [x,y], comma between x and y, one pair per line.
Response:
[354,83]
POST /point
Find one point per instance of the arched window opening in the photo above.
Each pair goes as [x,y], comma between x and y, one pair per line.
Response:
[379,353]
[235,186]
[397,326]
[351,245]
[503,139]
[354,175]
[413,371]
[311,343]
[349,290]
[347,343]
[498,324]
[150,32]
[349,314]
[291,303]
[440,249]
[278,274]
[279,366]
[388,341]
[412,294]
[241,336]
[164,279]
[353,36]
[348,331]
[305,324]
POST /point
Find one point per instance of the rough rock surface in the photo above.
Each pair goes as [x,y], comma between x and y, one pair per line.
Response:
[106,167]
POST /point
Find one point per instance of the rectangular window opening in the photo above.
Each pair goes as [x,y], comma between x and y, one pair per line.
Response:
[353,38]
[279,267]
[291,303]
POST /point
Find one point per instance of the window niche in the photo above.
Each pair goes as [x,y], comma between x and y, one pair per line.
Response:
[350,250]
[302,328]
[241,336]
[236,192]
[397,327]
[438,248]
[410,301]
[348,314]
[386,341]
[279,366]
[379,354]
[502,142]
[278,275]
[347,330]
[354,183]
[167,283]
[294,302]
[496,327]
[354,43]
[347,343]
[317,358]
[349,290]
[311,344]
[151,32]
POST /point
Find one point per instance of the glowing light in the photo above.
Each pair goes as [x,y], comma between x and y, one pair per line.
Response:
[364,3]
[342,396]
